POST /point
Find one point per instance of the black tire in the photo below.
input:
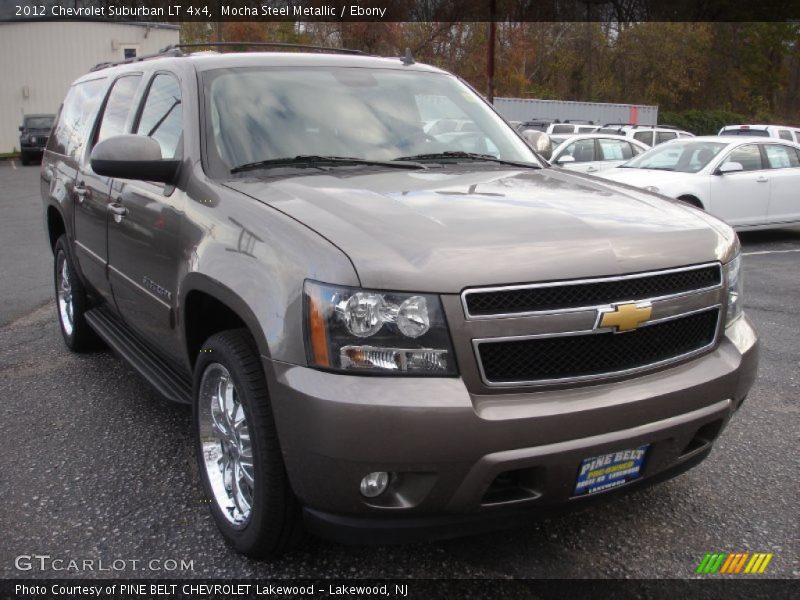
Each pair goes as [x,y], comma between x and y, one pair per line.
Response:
[24,159]
[78,337]
[274,524]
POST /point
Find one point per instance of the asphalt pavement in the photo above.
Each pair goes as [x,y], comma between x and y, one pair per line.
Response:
[96,466]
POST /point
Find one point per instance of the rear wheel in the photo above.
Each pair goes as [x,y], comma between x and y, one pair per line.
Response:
[238,452]
[72,302]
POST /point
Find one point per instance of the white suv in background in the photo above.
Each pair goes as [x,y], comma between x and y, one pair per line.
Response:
[790,134]
[652,135]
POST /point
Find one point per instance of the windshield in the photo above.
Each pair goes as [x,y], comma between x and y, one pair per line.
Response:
[261,114]
[39,122]
[682,156]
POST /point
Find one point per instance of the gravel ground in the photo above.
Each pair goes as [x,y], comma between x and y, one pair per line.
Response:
[96,466]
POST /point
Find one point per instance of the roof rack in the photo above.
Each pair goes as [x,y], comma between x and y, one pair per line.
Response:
[177,50]
[579,121]
[665,126]
[168,51]
[264,45]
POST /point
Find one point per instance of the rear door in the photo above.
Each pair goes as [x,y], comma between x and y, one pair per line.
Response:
[742,197]
[65,152]
[611,153]
[784,172]
[143,243]
[92,190]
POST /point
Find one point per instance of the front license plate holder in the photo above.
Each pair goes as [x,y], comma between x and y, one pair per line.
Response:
[608,471]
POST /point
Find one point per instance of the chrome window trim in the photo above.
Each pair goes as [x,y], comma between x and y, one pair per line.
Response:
[540,382]
[529,286]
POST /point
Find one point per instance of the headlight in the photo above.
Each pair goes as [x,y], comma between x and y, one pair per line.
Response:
[365,331]
[733,278]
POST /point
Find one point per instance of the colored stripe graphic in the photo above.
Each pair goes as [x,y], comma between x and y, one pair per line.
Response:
[724,563]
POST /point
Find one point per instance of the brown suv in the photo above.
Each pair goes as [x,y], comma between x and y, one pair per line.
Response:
[384,333]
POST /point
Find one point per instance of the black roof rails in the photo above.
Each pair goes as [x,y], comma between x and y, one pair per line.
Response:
[665,126]
[622,125]
[264,45]
[177,50]
[168,51]
[579,121]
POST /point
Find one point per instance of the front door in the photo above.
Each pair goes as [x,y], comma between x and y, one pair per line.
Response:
[741,198]
[144,229]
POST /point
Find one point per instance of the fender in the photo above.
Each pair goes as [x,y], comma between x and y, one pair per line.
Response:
[198,282]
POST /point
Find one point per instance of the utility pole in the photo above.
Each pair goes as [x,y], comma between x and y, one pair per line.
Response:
[490,62]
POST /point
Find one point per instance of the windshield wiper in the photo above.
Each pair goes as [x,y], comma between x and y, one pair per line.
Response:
[309,160]
[469,156]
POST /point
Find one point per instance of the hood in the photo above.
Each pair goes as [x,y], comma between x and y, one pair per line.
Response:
[445,230]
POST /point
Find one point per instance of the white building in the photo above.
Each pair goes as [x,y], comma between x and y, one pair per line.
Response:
[39,60]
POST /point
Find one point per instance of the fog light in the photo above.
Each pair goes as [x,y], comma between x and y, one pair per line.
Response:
[374,484]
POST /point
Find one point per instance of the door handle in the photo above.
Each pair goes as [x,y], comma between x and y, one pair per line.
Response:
[118,211]
[80,192]
[591,169]
[762,179]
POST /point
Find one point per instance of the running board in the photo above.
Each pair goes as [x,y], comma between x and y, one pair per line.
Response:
[171,384]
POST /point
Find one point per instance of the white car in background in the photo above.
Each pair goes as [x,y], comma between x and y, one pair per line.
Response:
[783,132]
[591,153]
[752,183]
[647,134]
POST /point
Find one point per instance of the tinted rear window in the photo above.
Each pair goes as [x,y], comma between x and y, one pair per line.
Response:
[751,132]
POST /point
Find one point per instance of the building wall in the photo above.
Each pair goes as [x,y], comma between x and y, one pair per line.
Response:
[523,109]
[39,60]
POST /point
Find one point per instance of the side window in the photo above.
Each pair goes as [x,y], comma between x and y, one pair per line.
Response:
[563,129]
[665,136]
[644,136]
[76,117]
[162,115]
[797,136]
[749,156]
[781,157]
[785,134]
[635,150]
[581,150]
[614,150]
[118,107]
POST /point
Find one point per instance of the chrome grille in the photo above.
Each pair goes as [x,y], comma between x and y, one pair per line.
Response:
[558,296]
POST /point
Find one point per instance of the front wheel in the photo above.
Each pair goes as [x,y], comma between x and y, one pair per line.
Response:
[237,447]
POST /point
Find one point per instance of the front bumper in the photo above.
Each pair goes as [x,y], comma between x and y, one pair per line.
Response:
[466,459]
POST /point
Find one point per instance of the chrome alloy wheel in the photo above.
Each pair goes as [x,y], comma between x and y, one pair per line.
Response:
[226,446]
[66,305]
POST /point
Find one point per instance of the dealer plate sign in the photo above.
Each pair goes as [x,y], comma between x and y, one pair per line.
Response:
[601,473]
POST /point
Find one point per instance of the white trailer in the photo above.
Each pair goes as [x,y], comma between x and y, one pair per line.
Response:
[599,113]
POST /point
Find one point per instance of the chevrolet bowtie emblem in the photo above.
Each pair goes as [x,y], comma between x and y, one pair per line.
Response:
[625,317]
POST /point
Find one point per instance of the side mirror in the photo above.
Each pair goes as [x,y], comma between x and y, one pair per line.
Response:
[133,157]
[22,127]
[565,158]
[730,167]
